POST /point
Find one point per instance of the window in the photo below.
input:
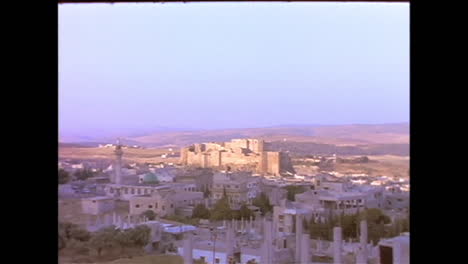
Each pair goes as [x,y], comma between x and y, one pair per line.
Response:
[132,191]
[138,191]
[172,205]
[216,260]
[126,191]
[94,201]
[164,207]
[280,229]
[150,206]
[137,206]
[111,190]
[156,205]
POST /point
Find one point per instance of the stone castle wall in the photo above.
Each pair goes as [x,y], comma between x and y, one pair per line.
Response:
[237,152]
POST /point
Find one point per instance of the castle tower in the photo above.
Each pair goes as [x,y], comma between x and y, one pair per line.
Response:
[118,163]
[260,146]
[183,156]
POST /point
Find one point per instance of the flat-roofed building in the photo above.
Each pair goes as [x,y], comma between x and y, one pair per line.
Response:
[165,203]
[395,250]
[235,186]
[97,205]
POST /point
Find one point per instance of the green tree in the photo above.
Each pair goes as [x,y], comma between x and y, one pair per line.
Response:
[376,221]
[63,176]
[123,240]
[70,231]
[245,212]
[374,215]
[263,202]
[349,224]
[80,234]
[200,211]
[78,247]
[222,209]
[140,235]
[150,214]
[235,214]
[206,193]
[318,230]
[104,238]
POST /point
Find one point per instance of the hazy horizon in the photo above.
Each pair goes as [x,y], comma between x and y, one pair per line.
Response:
[137,68]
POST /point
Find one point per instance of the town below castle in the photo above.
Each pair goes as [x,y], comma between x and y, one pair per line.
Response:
[235,202]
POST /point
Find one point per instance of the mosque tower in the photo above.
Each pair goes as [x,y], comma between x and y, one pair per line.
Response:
[118,163]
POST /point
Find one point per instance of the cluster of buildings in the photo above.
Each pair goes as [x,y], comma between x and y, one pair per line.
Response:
[258,241]
[276,238]
[115,145]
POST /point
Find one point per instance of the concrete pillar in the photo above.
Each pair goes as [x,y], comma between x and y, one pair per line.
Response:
[119,221]
[230,240]
[337,240]
[98,221]
[88,222]
[397,258]
[267,248]
[319,245]
[305,249]
[363,252]
[188,248]
[107,219]
[298,237]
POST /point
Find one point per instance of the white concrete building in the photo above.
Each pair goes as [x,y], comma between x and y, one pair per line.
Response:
[395,250]
[204,250]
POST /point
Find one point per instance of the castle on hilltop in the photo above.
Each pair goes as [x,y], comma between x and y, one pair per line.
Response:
[238,153]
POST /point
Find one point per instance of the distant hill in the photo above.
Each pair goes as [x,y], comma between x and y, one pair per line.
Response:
[78,145]
[308,148]
[341,135]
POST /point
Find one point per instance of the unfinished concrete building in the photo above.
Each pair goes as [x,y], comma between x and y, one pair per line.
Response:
[246,154]
[166,203]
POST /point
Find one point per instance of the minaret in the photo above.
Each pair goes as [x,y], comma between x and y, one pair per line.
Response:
[118,162]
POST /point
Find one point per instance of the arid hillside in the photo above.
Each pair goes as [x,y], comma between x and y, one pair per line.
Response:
[340,135]
[130,155]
